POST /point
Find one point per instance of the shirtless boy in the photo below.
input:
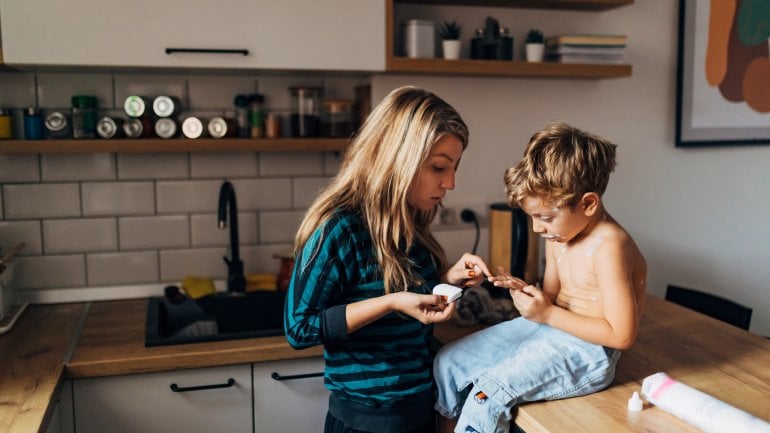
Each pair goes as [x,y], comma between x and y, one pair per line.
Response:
[569,336]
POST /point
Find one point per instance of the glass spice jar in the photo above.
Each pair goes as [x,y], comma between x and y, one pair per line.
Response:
[305,111]
[83,116]
[6,124]
[336,119]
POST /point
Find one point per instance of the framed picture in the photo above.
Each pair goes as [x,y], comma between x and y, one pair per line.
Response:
[723,76]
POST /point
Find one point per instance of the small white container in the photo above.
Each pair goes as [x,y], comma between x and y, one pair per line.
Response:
[419,39]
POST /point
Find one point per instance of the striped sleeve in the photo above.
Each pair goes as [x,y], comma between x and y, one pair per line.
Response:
[319,276]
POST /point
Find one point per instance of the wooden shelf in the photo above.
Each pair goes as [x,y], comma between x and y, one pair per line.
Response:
[500,68]
[173,145]
[584,5]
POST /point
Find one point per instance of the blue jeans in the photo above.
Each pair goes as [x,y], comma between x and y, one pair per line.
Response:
[483,376]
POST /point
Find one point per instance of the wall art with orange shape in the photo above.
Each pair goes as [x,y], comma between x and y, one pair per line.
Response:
[723,77]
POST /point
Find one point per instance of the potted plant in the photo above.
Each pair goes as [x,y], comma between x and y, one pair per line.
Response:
[450,32]
[535,45]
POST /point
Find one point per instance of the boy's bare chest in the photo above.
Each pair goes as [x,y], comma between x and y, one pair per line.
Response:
[579,290]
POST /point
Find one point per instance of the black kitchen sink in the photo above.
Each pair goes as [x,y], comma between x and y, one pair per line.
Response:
[216,317]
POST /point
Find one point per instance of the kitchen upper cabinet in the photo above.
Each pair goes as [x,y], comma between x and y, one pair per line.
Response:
[290,393]
[191,401]
[332,35]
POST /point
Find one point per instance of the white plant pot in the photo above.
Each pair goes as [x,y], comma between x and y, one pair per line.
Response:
[535,52]
[451,49]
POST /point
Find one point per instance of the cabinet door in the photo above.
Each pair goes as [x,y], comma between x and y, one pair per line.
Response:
[146,403]
[292,34]
[284,400]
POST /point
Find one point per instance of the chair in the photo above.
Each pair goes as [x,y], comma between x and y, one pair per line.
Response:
[711,305]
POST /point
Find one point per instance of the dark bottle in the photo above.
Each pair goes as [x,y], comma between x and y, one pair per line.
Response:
[33,124]
[504,45]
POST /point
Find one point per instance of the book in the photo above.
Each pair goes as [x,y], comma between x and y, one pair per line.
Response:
[602,40]
[588,58]
[585,49]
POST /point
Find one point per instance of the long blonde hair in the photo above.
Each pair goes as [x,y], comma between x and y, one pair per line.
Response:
[376,174]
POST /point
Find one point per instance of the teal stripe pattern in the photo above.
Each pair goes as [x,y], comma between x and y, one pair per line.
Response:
[382,363]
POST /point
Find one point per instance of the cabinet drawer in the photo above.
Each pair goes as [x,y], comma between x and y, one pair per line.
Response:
[202,400]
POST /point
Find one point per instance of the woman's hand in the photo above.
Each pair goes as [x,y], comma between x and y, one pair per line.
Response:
[469,271]
[506,280]
[425,308]
[531,303]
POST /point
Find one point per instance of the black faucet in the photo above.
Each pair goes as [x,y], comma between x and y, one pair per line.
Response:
[236,282]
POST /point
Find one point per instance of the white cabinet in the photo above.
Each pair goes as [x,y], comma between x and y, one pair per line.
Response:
[290,393]
[190,401]
[60,420]
[291,34]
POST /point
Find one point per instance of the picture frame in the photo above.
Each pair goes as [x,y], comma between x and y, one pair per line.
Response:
[714,107]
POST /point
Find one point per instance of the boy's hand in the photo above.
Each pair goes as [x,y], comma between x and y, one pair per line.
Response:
[469,271]
[425,308]
[506,280]
[531,303]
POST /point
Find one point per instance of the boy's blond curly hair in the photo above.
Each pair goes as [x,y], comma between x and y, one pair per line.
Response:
[561,164]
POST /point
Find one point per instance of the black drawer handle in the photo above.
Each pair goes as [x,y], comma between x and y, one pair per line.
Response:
[206,51]
[277,376]
[176,388]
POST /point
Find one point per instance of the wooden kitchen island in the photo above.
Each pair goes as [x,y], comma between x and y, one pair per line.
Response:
[54,342]
[726,362]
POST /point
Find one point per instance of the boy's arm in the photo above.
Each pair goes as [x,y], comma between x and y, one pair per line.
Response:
[614,264]
[551,282]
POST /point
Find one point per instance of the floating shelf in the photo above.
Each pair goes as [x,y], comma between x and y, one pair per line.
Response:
[582,5]
[173,145]
[500,68]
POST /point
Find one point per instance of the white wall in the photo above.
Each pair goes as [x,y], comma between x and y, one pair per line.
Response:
[699,215]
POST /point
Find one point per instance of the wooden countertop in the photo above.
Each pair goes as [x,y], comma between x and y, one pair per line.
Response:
[44,346]
[726,362]
[112,343]
[31,364]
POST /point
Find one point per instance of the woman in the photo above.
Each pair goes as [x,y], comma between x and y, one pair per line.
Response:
[366,263]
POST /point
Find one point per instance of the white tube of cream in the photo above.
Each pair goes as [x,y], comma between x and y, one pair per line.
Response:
[698,408]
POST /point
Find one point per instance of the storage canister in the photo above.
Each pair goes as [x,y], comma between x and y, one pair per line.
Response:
[192,127]
[165,127]
[256,116]
[419,39]
[136,106]
[83,116]
[220,127]
[137,128]
[109,127]
[305,111]
[336,119]
[241,103]
[165,106]
[57,125]
[33,124]
[6,130]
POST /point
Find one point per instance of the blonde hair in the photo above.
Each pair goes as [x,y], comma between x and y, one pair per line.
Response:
[560,164]
[376,174]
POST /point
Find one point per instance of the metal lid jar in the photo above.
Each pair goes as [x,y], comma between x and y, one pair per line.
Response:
[336,118]
[305,101]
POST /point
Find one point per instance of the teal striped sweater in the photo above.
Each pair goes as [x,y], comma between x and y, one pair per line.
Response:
[384,366]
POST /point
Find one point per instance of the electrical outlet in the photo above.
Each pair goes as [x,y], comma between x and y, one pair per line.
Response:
[450,213]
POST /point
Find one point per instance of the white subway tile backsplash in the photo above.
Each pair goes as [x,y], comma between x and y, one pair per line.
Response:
[290,164]
[55,90]
[201,262]
[223,165]
[206,232]
[13,232]
[118,198]
[306,189]
[332,163]
[17,90]
[153,166]
[188,196]
[84,166]
[48,272]
[263,194]
[41,201]
[279,227]
[122,268]
[260,258]
[80,235]
[171,231]
[214,92]
[19,168]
